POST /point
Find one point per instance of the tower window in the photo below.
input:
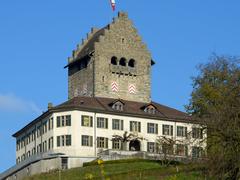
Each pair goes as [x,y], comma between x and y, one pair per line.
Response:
[122,62]
[114,60]
[131,63]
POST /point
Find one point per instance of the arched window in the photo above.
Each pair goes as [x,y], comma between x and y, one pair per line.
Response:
[122,62]
[131,63]
[114,60]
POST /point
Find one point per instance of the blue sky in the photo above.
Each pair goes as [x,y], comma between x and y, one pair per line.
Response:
[36,37]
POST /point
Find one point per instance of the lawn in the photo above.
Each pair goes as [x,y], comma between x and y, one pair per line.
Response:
[124,170]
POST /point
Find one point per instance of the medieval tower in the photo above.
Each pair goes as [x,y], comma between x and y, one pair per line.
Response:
[112,62]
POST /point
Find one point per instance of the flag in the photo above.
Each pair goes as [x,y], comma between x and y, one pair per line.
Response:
[113,4]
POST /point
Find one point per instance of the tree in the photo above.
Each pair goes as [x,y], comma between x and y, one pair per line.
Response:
[215,100]
[126,137]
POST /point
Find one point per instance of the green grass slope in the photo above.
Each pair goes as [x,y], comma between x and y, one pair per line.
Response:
[126,170]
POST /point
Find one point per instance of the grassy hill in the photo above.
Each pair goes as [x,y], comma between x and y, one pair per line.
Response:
[126,170]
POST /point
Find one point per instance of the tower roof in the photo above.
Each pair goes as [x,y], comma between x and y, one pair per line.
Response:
[87,46]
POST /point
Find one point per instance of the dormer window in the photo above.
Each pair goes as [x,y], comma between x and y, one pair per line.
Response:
[150,109]
[118,105]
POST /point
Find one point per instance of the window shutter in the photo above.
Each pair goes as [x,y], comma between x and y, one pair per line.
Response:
[82,120]
[52,123]
[156,128]
[171,130]
[58,141]
[106,123]
[139,126]
[91,140]
[163,133]
[185,131]
[91,121]
[70,120]
[121,124]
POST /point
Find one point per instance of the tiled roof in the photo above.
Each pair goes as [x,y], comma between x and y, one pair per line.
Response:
[104,105]
[130,107]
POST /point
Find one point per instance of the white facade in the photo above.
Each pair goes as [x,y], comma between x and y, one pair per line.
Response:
[76,130]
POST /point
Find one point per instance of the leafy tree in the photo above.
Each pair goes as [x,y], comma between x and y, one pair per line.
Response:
[215,100]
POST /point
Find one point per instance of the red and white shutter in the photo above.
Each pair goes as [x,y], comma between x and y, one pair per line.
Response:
[114,86]
[132,89]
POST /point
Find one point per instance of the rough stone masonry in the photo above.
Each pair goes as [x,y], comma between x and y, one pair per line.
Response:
[112,62]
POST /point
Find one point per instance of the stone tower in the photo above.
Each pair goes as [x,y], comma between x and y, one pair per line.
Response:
[112,62]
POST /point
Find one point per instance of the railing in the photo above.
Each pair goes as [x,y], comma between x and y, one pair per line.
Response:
[28,161]
[119,154]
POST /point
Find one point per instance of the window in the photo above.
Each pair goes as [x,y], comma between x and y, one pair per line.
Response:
[33,135]
[33,151]
[116,144]
[131,63]
[44,127]
[114,60]
[152,128]
[181,150]
[50,143]
[122,62]
[181,131]
[39,148]
[197,133]
[150,109]
[68,140]
[87,140]
[152,147]
[102,142]
[38,131]
[44,146]
[102,122]
[117,124]
[87,121]
[68,120]
[197,152]
[18,145]
[63,121]
[64,140]
[58,121]
[118,106]
[58,141]
[22,142]
[50,123]
[167,130]
[135,126]
[28,154]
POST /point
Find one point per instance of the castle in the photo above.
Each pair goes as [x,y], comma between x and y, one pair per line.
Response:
[109,94]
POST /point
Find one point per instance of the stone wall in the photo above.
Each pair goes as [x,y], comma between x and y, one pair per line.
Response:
[121,40]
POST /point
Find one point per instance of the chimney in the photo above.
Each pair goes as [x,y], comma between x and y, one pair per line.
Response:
[50,105]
